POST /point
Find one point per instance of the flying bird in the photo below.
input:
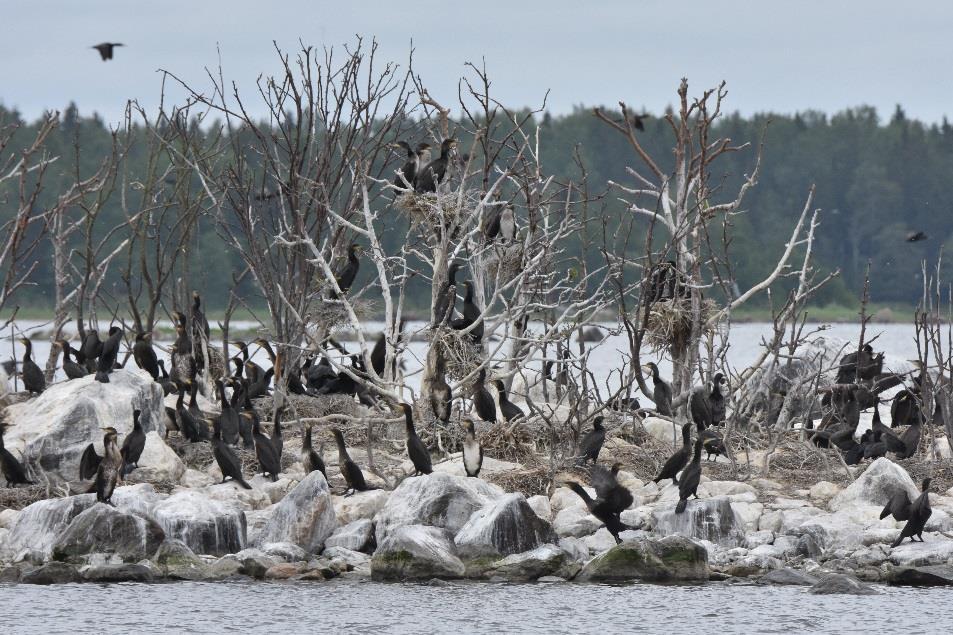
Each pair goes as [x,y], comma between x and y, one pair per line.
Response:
[915,237]
[106,49]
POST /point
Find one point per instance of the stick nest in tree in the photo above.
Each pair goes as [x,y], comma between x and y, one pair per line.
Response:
[506,262]
[670,323]
[461,354]
[428,210]
[333,314]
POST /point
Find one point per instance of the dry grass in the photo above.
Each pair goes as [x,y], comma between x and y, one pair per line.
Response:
[670,323]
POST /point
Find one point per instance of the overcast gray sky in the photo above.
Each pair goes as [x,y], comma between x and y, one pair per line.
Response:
[778,56]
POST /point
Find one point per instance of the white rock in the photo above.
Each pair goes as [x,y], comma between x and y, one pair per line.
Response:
[304,517]
[207,526]
[918,554]
[416,552]
[360,505]
[8,517]
[575,547]
[503,527]
[754,539]
[638,518]
[564,498]
[575,522]
[158,462]
[600,541]
[234,495]
[355,559]
[355,536]
[880,481]
[795,517]
[711,519]
[255,521]
[194,479]
[942,448]
[275,490]
[823,491]
[454,466]
[284,551]
[541,506]
[749,514]
[733,490]
[663,430]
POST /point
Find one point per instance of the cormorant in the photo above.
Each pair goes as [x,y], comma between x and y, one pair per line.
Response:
[200,327]
[228,419]
[260,388]
[349,469]
[491,224]
[379,353]
[712,442]
[408,172]
[508,409]
[419,455]
[253,371]
[611,499]
[716,399]
[247,418]
[591,444]
[13,471]
[920,513]
[72,369]
[443,307]
[268,460]
[471,315]
[905,445]
[441,398]
[228,462]
[277,439]
[310,459]
[432,174]
[106,49]
[107,359]
[189,427]
[91,349]
[33,379]
[662,393]
[168,386]
[346,274]
[905,409]
[133,444]
[691,477]
[677,462]
[317,375]
[145,356]
[423,158]
[89,463]
[508,224]
[870,365]
[700,408]
[472,450]
[898,506]
[915,237]
[638,121]
[107,475]
[482,400]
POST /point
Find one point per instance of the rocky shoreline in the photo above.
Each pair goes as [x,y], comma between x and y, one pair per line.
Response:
[443,525]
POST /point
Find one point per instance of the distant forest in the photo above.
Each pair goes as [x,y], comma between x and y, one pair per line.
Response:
[877,180]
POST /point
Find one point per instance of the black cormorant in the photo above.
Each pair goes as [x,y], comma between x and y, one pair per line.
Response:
[865,366]
[677,462]
[443,307]
[472,450]
[419,455]
[106,49]
[228,419]
[898,506]
[253,371]
[441,398]
[432,174]
[33,379]
[349,469]
[716,399]
[228,462]
[712,442]
[482,399]
[508,409]
[268,460]
[89,463]
[346,274]
[13,471]
[107,359]
[662,393]
[471,315]
[638,121]
[905,409]
[611,499]
[189,426]
[920,513]
[200,327]
[145,356]
[107,476]
[310,459]
[260,388]
[72,369]
[133,444]
[318,374]
[408,172]
[700,408]
[591,444]
[691,477]
[91,349]
[247,418]
[905,445]
[277,439]
[916,236]
[491,224]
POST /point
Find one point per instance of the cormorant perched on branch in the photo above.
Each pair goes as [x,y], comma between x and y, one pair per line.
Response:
[91,348]
[416,449]
[408,172]
[662,393]
[471,315]
[441,398]
[443,307]
[33,379]
[106,49]
[508,409]
[691,477]
[133,444]
[432,174]
[716,399]
[700,408]
[870,365]
[472,450]
[482,399]
[349,469]
[591,444]
[107,359]
[348,272]
[677,462]
[13,471]
[72,369]
[145,356]
[920,512]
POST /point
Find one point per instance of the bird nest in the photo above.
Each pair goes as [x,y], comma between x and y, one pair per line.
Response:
[19,497]
[427,210]
[529,481]
[333,315]
[310,407]
[670,323]
[506,262]
[461,354]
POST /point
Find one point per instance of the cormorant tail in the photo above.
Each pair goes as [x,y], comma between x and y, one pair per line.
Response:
[242,482]
[897,542]
[681,506]
[583,494]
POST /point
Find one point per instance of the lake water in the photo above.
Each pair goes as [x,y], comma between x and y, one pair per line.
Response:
[466,607]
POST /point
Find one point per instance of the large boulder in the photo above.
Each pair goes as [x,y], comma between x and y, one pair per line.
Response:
[669,559]
[436,500]
[933,575]
[880,481]
[545,560]
[102,529]
[118,573]
[52,573]
[39,525]
[304,517]
[415,552]
[838,583]
[360,505]
[711,519]
[663,430]
[504,527]
[355,536]
[158,462]
[53,429]
[206,526]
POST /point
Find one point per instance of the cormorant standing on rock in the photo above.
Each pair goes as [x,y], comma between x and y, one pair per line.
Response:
[91,348]
[13,472]
[277,439]
[348,272]
[472,450]
[268,460]
[662,393]
[33,379]
[72,369]
[145,356]
[591,444]
[416,449]
[107,476]
[677,462]
[920,512]
[408,172]
[228,419]
[611,499]
[228,462]
[432,174]
[349,469]
[107,359]
[482,400]
[691,477]
[310,459]
[443,307]
[133,444]
[508,409]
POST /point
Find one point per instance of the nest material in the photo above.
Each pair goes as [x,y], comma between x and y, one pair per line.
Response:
[427,210]
[506,262]
[20,497]
[670,323]
[461,354]
[333,315]
[529,481]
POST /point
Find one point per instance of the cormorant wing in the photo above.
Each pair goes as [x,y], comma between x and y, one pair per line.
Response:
[89,463]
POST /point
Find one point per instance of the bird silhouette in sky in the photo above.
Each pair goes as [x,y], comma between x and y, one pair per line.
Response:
[915,237]
[106,49]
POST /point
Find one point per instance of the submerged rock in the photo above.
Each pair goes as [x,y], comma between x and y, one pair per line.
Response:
[53,429]
[206,526]
[118,573]
[304,517]
[52,573]
[435,500]
[669,559]
[504,527]
[711,519]
[106,530]
[787,577]
[831,583]
[546,560]
[935,575]
[416,552]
